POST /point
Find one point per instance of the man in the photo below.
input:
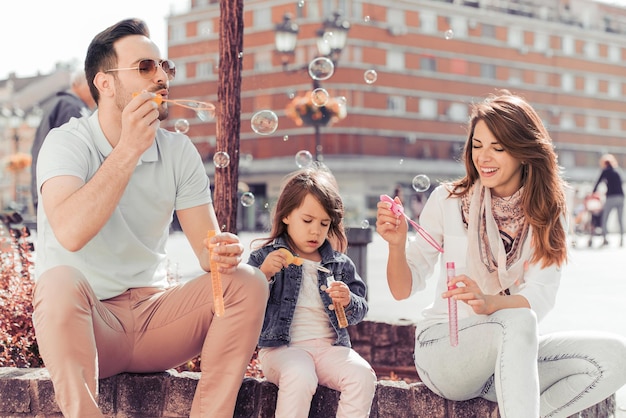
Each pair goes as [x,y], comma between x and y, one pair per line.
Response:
[63,106]
[109,186]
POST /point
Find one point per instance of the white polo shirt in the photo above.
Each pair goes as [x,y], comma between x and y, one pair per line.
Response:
[129,251]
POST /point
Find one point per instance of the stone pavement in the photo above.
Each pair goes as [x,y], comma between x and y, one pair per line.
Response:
[592,295]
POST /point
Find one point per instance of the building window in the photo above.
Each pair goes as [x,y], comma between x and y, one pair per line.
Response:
[542,41]
[515,76]
[262,18]
[396,103]
[395,60]
[516,37]
[567,121]
[591,123]
[614,53]
[488,71]
[591,85]
[458,112]
[615,88]
[263,60]
[567,82]
[428,22]
[205,28]
[203,69]
[428,64]
[569,45]
[428,108]
[591,49]
[178,32]
[458,25]
[488,31]
[395,17]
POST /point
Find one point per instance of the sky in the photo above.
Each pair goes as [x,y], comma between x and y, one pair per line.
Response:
[36,34]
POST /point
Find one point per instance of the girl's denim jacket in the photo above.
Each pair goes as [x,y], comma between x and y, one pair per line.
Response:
[285,287]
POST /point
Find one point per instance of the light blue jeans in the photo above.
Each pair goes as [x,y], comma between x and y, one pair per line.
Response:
[500,357]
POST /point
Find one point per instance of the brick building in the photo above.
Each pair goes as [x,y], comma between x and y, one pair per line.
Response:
[432,59]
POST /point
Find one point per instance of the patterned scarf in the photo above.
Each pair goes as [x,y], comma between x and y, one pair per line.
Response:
[498,235]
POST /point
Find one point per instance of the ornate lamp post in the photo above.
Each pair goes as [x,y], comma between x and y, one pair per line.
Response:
[331,40]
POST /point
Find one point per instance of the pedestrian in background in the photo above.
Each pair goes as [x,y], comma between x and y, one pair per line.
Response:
[502,224]
[302,341]
[63,106]
[614,196]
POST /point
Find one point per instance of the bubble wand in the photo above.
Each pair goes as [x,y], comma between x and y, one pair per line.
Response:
[194,105]
[399,210]
[453,318]
[216,279]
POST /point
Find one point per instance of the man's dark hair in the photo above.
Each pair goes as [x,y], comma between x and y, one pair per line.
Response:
[101,55]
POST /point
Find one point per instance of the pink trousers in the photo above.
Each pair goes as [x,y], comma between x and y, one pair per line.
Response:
[298,368]
[82,339]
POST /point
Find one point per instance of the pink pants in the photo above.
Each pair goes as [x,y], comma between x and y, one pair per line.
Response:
[298,368]
[82,339]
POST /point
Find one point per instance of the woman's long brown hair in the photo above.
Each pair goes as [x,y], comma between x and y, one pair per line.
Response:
[521,133]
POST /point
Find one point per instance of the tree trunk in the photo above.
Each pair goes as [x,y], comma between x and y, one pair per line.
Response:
[228,112]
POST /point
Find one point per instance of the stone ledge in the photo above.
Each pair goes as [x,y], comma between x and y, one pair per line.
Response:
[29,393]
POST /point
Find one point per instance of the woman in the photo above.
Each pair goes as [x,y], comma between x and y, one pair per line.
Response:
[614,195]
[502,225]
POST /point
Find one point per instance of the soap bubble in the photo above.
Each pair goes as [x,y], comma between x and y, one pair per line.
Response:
[247,199]
[366,19]
[181,126]
[264,122]
[319,97]
[449,34]
[321,68]
[286,138]
[370,76]
[421,183]
[365,224]
[304,159]
[221,159]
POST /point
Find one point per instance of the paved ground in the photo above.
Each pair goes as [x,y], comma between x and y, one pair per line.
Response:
[592,294]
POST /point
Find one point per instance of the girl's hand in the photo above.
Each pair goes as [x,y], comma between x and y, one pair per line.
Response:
[468,291]
[339,293]
[273,263]
[226,251]
[393,228]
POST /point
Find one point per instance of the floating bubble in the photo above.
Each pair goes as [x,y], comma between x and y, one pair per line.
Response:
[286,138]
[366,19]
[370,76]
[328,37]
[449,34]
[291,93]
[421,183]
[401,161]
[319,97]
[264,122]
[341,100]
[221,159]
[240,55]
[181,126]
[247,199]
[304,158]
[365,224]
[321,68]
[301,3]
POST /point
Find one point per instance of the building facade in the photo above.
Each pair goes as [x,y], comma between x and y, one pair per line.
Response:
[432,60]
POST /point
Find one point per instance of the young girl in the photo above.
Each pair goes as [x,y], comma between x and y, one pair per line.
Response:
[502,225]
[302,343]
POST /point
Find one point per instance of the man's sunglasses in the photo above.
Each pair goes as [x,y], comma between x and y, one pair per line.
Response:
[147,68]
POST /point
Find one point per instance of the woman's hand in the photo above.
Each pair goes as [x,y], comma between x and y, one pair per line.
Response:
[226,251]
[468,291]
[339,292]
[393,228]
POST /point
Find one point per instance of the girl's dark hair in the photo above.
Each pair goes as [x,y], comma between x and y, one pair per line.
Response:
[521,133]
[101,55]
[319,182]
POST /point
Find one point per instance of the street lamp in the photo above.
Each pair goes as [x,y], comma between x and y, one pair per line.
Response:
[331,40]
